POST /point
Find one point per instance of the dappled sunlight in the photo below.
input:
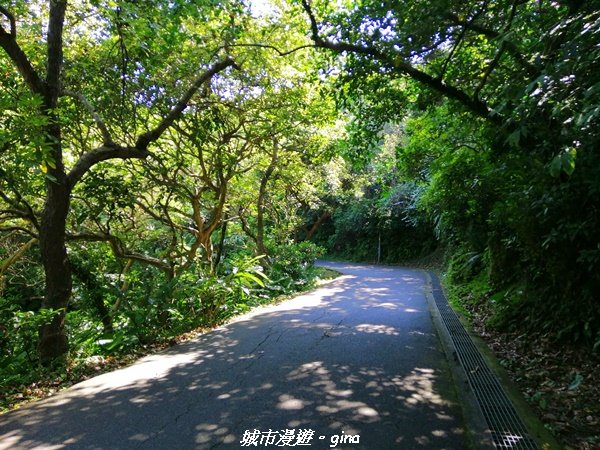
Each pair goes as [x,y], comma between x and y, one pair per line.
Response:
[335,400]
[419,387]
[316,298]
[139,437]
[416,333]
[360,396]
[208,431]
[315,367]
[372,293]
[148,368]
[359,410]
[333,360]
[288,402]
[381,329]
[377,280]
[386,305]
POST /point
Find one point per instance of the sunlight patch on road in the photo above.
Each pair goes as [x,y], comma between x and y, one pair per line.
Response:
[387,305]
[139,437]
[307,369]
[288,402]
[360,410]
[378,329]
[418,388]
[149,368]
[319,297]
[206,432]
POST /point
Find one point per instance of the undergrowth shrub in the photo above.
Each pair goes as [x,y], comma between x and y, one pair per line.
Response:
[292,266]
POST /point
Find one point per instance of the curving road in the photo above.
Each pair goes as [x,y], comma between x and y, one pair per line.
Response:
[356,364]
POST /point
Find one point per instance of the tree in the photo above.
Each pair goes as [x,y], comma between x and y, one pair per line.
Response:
[49,88]
[523,73]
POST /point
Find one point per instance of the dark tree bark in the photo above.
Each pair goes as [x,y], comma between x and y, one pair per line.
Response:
[315,226]
[221,247]
[53,339]
[52,234]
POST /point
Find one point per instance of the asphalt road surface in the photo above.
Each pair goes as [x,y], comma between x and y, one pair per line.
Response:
[356,364]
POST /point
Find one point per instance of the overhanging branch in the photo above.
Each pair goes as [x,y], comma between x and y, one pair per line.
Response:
[145,139]
[140,151]
[275,49]
[509,46]
[103,153]
[119,249]
[11,19]
[10,229]
[475,105]
[8,42]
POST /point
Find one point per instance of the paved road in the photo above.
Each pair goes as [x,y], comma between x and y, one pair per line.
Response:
[357,357]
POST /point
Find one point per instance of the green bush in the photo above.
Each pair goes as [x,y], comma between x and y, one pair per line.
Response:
[292,264]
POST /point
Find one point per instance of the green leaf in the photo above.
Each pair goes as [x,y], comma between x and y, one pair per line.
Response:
[563,162]
[514,138]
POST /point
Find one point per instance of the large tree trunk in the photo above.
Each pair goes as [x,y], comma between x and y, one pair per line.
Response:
[221,247]
[53,339]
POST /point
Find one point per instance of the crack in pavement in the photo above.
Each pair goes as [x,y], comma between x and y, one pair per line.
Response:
[255,354]
[276,370]
[269,333]
[328,332]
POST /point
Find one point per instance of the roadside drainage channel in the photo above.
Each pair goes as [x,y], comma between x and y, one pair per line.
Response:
[507,430]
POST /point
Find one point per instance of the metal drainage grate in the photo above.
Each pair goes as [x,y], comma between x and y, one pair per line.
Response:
[507,429]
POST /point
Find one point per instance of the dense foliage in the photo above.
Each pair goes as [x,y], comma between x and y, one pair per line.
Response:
[164,165]
[497,145]
[150,170]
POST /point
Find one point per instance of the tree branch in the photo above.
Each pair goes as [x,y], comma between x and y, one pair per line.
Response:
[476,106]
[26,213]
[21,229]
[511,47]
[8,42]
[315,226]
[106,137]
[245,225]
[16,255]
[11,18]
[460,38]
[103,153]
[145,139]
[119,249]
[272,47]
[113,151]
[490,68]
[164,220]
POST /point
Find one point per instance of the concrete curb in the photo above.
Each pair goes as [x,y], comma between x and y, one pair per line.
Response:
[478,433]
[535,428]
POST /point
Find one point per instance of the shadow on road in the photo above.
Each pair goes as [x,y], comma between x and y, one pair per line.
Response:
[356,357]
